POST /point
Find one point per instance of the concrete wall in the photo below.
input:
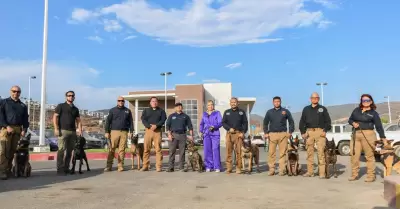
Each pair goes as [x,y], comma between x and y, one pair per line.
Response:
[220,93]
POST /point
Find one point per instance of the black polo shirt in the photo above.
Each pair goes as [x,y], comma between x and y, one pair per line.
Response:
[67,115]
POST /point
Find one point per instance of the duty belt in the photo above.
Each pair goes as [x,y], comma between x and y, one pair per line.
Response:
[178,132]
[313,129]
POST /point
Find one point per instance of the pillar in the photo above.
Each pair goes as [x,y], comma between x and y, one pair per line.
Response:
[136,115]
[248,118]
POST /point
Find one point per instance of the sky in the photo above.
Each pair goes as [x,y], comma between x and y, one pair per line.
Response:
[265,48]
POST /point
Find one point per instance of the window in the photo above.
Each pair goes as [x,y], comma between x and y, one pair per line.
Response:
[190,108]
[393,128]
[337,129]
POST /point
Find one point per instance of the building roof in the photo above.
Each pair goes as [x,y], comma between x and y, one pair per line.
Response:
[146,97]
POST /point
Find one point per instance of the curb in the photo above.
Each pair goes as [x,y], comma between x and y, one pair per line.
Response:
[90,156]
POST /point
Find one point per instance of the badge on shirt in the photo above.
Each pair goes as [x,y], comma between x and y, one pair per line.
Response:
[283,112]
[240,113]
[174,117]
[126,111]
[370,115]
[228,113]
[320,109]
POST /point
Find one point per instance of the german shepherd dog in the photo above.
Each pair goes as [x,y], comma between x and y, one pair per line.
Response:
[79,154]
[251,153]
[136,150]
[388,158]
[293,166]
[195,160]
[22,166]
[330,157]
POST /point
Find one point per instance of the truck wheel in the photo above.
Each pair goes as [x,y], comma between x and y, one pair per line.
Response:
[344,148]
[397,151]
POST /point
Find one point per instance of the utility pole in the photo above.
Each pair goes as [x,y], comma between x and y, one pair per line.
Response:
[322,84]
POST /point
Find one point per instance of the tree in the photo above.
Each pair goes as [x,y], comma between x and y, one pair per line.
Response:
[384,120]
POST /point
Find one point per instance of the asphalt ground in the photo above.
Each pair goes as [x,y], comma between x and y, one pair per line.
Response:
[134,189]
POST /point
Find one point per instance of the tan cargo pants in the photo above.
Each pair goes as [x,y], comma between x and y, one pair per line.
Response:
[233,143]
[279,139]
[8,147]
[119,140]
[366,144]
[315,137]
[150,137]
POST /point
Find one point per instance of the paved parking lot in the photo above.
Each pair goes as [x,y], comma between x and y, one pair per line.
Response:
[133,189]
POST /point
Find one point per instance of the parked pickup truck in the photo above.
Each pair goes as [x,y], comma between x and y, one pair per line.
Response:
[341,133]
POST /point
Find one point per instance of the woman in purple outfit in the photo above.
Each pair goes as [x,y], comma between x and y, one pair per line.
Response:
[209,129]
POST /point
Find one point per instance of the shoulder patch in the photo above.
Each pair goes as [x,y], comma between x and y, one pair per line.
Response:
[240,113]
[321,109]
[283,112]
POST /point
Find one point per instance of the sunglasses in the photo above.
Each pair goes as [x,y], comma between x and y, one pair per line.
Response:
[314,97]
[15,91]
[121,100]
[70,95]
[366,100]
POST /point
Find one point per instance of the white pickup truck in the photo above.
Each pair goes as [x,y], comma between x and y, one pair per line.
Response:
[341,133]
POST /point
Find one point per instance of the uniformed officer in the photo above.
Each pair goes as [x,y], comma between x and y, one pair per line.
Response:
[176,127]
[66,118]
[153,118]
[314,123]
[13,124]
[235,123]
[119,128]
[275,129]
[363,119]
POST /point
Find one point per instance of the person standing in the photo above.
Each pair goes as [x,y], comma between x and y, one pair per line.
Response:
[235,123]
[65,120]
[363,119]
[176,127]
[314,123]
[153,118]
[119,128]
[14,123]
[275,129]
[210,124]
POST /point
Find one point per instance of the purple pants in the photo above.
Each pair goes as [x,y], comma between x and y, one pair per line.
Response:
[212,159]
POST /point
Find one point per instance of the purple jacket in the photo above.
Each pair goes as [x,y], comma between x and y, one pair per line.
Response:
[214,119]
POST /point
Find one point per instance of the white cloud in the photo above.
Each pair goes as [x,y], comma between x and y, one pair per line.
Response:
[201,24]
[211,81]
[327,3]
[261,41]
[234,65]
[191,74]
[324,24]
[61,77]
[94,71]
[129,38]
[95,38]
[111,25]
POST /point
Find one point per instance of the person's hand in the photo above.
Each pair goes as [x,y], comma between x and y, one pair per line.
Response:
[355,125]
[201,135]
[23,133]
[211,128]
[79,132]
[153,127]
[231,130]
[170,136]
[304,136]
[107,135]
[323,134]
[241,135]
[56,133]
[9,129]
[266,136]
[129,135]
[190,138]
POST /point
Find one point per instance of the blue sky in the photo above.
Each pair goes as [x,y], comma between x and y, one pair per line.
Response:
[264,48]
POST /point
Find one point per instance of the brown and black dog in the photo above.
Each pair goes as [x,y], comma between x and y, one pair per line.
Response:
[330,157]
[293,166]
[195,161]
[388,158]
[136,150]
[251,153]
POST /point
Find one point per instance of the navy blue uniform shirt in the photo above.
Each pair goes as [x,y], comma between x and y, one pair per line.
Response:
[235,119]
[315,117]
[119,119]
[177,122]
[13,113]
[276,119]
[155,116]
[367,120]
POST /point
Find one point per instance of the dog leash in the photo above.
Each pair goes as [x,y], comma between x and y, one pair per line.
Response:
[353,137]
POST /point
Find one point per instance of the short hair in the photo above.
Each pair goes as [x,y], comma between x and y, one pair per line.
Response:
[70,91]
[235,98]
[276,97]
[153,98]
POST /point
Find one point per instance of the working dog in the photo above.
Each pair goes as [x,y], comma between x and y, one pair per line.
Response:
[330,157]
[250,152]
[195,161]
[293,166]
[136,150]
[79,154]
[22,166]
[388,158]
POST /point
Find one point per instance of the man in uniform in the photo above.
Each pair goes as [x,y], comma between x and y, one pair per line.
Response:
[153,118]
[66,118]
[13,124]
[176,127]
[119,128]
[314,123]
[275,129]
[235,123]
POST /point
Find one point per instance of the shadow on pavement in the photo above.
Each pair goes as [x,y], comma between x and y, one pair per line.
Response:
[43,179]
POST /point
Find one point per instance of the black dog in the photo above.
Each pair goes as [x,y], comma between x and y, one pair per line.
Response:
[21,166]
[79,154]
[330,157]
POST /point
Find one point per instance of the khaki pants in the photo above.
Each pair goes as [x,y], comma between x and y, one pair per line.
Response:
[119,140]
[150,137]
[9,143]
[365,144]
[280,139]
[66,143]
[314,136]
[233,143]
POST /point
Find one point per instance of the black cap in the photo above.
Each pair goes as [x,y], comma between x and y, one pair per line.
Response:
[178,104]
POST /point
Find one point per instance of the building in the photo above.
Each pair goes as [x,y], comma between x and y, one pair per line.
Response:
[194,98]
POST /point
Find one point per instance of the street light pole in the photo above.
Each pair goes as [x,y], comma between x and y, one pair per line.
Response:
[322,84]
[165,87]
[390,113]
[44,69]
[29,93]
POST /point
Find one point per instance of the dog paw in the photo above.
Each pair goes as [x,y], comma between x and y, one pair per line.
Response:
[88,169]
[335,176]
